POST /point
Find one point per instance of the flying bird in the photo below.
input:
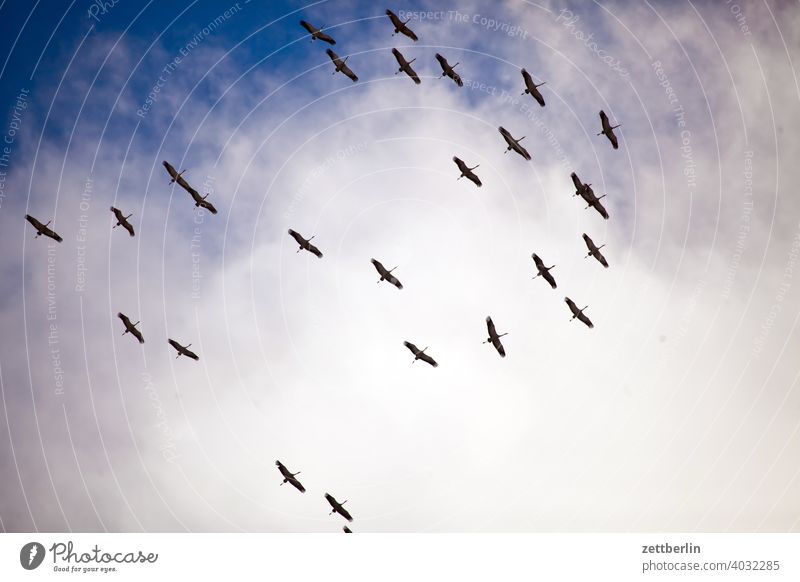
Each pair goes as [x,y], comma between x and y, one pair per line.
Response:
[494,339]
[122,220]
[531,87]
[386,275]
[594,201]
[290,477]
[183,350]
[341,65]
[41,229]
[405,66]
[131,327]
[594,250]
[466,172]
[337,507]
[608,130]
[585,191]
[543,272]
[578,312]
[178,177]
[400,26]
[420,354]
[346,529]
[448,71]
[305,244]
[316,33]
[513,144]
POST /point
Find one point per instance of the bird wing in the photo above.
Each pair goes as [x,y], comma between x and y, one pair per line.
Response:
[394,280]
[599,256]
[428,359]
[296,484]
[549,278]
[538,261]
[597,205]
[604,120]
[190,353]
[401,60]
[576,182]
[522,151]
[457,78]
[175,344]
[137,334]
[125,320]
[348,72]
[344,513]
[499,347]
[412,73]
[471,176]
[393,17]
[117,212]
[612,138]
[296,236]
[209,206]
[585,319]
[414,349]
[538,96]
[51,233]
[379,267]
[333,56]
[409,33]
[442,62]
[490,327]
[127,226]
[308,26]
[460,163]
[572,307]
[170,170]
[314,250]
[324,37]
[185,185]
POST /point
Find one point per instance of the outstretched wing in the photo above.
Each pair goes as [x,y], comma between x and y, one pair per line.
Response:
[296,484]
[549,278]
[325,37]
[190,353]
[208,206]
[426,358]
[348,72]
[413,74]
[393,280]
[597,205]
[491,328]
[137,334]
[457,78]
[612,138]
[127,226]
[442,62]
[585,319]
[314,250]
[125,320]
[296,236]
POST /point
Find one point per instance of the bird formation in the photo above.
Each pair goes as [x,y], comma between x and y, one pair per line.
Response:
[512,144]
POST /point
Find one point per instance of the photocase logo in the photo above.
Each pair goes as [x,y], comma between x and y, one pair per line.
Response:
[31,555]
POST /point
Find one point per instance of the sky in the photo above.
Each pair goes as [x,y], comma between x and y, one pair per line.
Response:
[679,411]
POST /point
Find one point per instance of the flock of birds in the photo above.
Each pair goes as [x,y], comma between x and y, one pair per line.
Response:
[583,190]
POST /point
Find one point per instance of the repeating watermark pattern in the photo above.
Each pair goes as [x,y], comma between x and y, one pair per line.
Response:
[744,225]
[783,289]
[81,236]
[527,106]
[14,125]
[52,318]
[567,19]
[490,24]
[195,241]
[741,20]
[315,173]
[184,51]
[100,8]
[167,446]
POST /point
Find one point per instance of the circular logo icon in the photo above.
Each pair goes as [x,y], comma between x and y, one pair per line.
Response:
[31,555]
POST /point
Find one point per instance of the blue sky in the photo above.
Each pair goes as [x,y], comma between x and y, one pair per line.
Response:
[656,419]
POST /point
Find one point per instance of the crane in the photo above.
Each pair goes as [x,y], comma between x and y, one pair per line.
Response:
[448,71]
[531,87]
[494,339]
[131,327]
[386,275]
[41,229]
[513,144]
[337,507]
[400,26]
[122,220]
[608,129]
[316,33]
[183,350]
[594,250]
[341,66]
[199,201]
[585,191]
[578,312]
[405,66]
[305,244]
[289,477]
[420,354]
[466,172]
[543,272]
